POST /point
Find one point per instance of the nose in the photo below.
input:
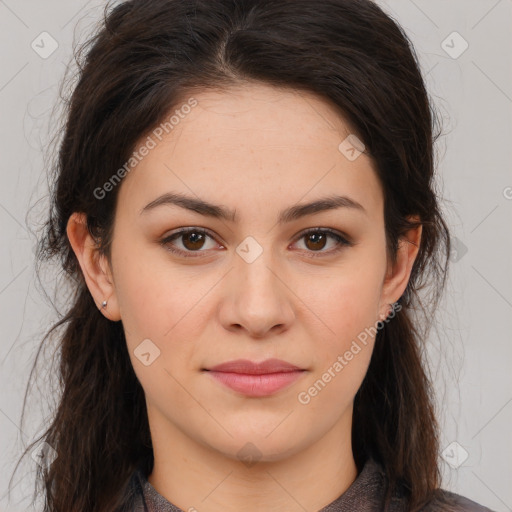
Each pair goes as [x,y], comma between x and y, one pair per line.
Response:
[257,298]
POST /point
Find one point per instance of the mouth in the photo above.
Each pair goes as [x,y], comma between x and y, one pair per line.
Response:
[256,379]
[248,367]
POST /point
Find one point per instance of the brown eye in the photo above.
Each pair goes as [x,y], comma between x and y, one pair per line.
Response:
[193,240]
[315,241]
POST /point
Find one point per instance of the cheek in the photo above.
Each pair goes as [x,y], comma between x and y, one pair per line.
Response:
[151,296]
[164,305]
[346,302]
[346,305]
[342,355]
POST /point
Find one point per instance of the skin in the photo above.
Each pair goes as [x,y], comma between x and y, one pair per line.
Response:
[258,150]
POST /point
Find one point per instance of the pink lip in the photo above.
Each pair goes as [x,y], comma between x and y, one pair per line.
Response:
[256,379]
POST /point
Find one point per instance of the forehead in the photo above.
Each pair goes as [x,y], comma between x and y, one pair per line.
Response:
[252,141]
[266,115]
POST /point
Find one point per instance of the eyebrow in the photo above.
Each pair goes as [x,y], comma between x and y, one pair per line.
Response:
[221,212]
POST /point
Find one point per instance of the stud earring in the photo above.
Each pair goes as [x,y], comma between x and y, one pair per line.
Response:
[104,304]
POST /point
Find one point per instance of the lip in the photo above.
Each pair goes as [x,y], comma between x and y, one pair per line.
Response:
[256,379]
[248,367]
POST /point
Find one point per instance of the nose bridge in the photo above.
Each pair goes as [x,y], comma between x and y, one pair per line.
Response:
[254,269]
[260,299]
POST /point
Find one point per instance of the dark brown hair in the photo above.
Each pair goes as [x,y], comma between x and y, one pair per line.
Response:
[142,61]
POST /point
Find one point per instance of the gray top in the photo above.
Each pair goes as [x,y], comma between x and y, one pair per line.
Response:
[366,494]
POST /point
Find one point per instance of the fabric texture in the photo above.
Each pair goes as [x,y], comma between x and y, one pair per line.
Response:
[365,494]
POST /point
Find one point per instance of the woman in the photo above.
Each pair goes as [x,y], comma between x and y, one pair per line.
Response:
[245,203]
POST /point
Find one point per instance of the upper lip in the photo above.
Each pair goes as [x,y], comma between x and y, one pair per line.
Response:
[246,366]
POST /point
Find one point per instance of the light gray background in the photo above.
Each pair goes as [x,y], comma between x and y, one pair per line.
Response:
[471,349]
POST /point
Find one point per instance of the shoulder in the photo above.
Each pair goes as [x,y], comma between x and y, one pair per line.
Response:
[451,502]
[441,500]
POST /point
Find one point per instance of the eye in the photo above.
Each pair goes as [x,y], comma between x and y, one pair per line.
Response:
[316,240]
[193,240]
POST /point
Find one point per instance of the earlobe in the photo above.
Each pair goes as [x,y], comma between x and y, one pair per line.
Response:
[94,266]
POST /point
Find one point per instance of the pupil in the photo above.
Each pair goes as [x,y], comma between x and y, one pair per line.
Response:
[316,238]
[195,238]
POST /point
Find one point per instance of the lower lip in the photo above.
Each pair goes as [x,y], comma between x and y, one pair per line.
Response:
[257,385]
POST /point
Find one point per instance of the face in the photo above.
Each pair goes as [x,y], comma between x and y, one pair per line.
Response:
[257,283]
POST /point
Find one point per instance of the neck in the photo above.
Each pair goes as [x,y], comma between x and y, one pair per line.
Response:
[195,477]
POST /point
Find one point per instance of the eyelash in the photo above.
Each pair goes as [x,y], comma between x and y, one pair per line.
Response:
[341,241]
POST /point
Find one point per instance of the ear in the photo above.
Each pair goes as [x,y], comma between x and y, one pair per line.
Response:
[398,274]
[95,267]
